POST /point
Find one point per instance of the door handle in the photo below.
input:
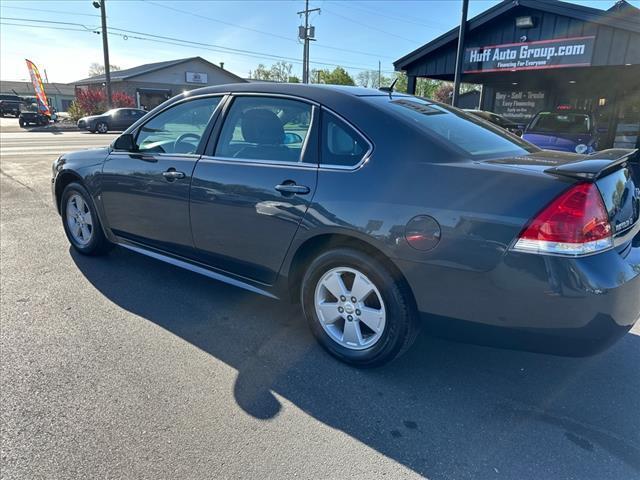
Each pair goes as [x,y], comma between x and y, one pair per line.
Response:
[292,188]
[172,174]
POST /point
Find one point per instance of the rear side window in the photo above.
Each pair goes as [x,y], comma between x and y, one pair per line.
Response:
[265,128]
[341,145]
[460,131]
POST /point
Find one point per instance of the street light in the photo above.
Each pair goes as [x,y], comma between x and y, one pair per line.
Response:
[105,48]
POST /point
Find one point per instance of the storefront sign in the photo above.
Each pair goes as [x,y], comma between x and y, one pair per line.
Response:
[565,52]
[196,77]
[518,106]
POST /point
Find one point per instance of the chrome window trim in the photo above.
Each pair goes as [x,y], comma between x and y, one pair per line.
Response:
[256,162]
[280,95]
[348,168]
[161,155]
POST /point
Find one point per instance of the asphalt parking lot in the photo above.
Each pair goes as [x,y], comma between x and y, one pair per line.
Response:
[124,367]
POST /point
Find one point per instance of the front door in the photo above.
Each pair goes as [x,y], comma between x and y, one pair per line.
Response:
[250,193]
[145,194]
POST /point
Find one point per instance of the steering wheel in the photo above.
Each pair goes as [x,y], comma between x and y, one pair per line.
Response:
[183,137]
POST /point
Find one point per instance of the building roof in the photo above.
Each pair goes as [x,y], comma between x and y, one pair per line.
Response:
[25,89]
[621,16]
[120,75]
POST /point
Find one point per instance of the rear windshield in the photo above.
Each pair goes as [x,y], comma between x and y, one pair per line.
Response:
[458,130]
[549,122]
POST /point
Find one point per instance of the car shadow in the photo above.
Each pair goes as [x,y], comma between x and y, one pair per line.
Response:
[444,410]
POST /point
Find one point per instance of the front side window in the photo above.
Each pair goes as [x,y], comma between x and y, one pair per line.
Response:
[265,128]
[178,129]
[341,144]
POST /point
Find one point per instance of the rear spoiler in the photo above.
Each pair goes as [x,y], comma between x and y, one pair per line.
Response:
[594,166]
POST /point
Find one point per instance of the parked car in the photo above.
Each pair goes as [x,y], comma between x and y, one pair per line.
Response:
[563,130]
[499,120]
[30,115]
[116,119]
[10,104]
[383,212]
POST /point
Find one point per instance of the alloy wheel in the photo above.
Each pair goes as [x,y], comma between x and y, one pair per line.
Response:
[79,220]
[350,308]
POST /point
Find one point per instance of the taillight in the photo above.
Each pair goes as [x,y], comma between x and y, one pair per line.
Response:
[576,223]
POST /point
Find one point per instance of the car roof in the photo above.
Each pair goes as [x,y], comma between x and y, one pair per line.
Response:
[315,92]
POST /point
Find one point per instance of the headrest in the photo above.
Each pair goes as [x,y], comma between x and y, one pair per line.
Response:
[340,142]
[262,126]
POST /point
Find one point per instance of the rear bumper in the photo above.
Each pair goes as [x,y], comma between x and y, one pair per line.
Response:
[540,303]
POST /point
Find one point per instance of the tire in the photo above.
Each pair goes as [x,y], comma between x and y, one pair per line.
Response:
[390,301]
[21,123]
[92,243]
[101,127]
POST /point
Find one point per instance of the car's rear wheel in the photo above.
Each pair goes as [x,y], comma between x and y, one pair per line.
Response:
[81,222]
[357,309]
[102,127]
[22,123]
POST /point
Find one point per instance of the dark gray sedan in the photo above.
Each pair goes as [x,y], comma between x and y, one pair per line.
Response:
[379,212]
[116,119]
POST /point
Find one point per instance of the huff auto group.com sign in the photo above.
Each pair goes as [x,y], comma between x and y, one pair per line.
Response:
[565,52]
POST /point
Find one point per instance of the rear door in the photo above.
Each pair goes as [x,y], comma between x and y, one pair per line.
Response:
[252,189]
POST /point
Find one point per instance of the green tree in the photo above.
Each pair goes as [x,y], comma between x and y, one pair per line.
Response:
[371,79]
[280,71]
[337,76]
[260,73]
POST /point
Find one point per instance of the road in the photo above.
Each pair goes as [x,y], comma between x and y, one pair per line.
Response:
[123,367]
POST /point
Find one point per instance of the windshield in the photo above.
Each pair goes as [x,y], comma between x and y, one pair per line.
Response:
[460,131]
[548,122]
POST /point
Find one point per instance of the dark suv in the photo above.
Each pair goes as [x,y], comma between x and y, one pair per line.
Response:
[10,104]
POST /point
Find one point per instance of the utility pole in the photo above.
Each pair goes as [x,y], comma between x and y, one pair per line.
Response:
[379,74]
[105,49]
[307,34]
[460,56]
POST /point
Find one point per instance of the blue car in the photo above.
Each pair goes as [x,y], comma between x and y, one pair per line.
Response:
[563,130]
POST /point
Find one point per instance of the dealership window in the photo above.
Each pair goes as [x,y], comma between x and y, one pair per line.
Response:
[265,128]
[177,129]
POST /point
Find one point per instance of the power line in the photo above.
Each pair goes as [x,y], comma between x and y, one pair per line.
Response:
[52,11]
[353,4]
[282,37]
[369,26]
[235,25]
[127,34]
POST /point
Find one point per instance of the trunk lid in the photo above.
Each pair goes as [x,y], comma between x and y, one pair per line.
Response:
[613,171]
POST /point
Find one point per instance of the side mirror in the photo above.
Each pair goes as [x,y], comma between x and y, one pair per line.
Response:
[291,138]
[125,143]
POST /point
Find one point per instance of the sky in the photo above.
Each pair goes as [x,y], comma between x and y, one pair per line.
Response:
[356,34]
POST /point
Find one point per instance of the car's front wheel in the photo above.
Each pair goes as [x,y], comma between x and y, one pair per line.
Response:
[102,127]
[357,309]
[81,222]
